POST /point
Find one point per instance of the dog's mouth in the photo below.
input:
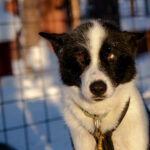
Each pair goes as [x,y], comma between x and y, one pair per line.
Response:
[97,99]
[93,99]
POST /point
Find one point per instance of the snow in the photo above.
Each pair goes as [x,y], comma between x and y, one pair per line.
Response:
[146,95]
[38,57]
[36,96]
[10,25]
[143,82]
[12,112]
[2,4]
[16,138]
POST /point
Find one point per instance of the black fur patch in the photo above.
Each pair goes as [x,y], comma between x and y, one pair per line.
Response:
[121,68]
[123,45]
[71,67]
[74,57]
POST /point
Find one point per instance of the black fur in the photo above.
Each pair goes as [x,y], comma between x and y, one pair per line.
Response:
[71,67]
[123,45]
[122,68]
[69,49]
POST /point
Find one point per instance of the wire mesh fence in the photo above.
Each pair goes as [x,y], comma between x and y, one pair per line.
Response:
[30,88]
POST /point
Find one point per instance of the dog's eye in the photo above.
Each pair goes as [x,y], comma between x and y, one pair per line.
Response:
[81,58]
[110,57]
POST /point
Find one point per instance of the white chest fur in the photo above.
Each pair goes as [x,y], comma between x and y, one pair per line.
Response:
[131,134]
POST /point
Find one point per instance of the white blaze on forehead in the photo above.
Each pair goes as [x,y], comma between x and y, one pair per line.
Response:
[96,36]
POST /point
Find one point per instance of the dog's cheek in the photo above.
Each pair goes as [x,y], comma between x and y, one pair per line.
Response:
[70,72]
[70,79]
[121,71]
[125,70]
[85,92]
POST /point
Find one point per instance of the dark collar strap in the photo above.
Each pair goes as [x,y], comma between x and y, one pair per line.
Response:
[122,114]
[107,141]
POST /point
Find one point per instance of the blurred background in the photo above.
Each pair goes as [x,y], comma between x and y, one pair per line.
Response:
[29,82]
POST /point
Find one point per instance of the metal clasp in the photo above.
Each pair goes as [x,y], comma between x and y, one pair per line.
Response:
[97,124]
[98,134]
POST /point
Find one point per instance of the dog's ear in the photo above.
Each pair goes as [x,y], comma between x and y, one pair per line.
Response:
[133,37]
[132,40]
[57,40]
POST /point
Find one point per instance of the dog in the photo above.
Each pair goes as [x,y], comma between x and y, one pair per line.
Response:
[101,106]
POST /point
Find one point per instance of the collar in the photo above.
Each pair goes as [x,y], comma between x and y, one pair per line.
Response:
[104,141]
[98,118]
[107,143]
[94,116]
[101,116]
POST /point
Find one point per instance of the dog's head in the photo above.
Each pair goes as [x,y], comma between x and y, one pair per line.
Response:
[96,57]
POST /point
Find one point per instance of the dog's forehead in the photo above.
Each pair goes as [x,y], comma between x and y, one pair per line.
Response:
[92,36]
[91,33]
[96,35]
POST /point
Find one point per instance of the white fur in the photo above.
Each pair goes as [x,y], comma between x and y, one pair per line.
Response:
[132,133]
[93,73]
[96,36]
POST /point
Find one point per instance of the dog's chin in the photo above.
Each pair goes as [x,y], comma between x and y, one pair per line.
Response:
[92,99]
[96,99]
[102,98]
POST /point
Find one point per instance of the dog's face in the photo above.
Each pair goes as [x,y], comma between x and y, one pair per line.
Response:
[95,57]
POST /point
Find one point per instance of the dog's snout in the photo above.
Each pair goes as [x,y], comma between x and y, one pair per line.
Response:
[98,88]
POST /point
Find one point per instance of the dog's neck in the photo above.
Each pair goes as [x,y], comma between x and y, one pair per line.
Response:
[121,95]
[100,117]
[90,115]
[102,139]
[113,107]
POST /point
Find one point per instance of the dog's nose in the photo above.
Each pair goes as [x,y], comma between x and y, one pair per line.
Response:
[98,88]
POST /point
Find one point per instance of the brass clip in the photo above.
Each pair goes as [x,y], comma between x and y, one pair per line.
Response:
[98,134]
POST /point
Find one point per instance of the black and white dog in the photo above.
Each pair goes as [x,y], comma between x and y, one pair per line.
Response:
[97,68]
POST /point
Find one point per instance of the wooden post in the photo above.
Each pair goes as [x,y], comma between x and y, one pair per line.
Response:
[75,13]
[31,26]
[132,7]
